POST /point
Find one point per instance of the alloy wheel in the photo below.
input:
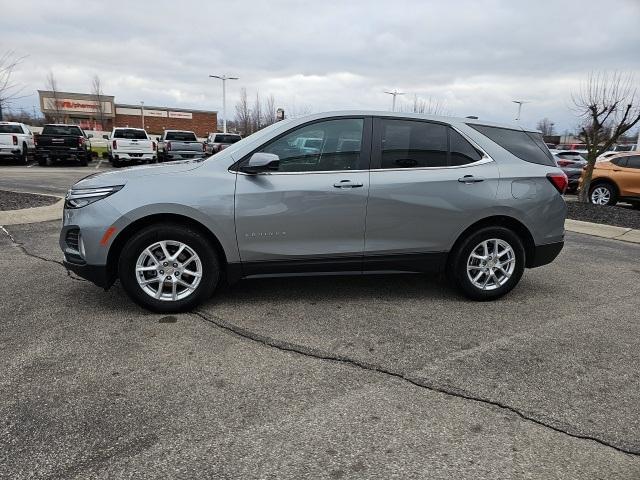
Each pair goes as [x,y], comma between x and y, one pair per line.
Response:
[491,264]
[168,270]
[600,196]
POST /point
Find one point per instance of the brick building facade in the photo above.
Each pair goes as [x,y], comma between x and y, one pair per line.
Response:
[158,119]
[85,110]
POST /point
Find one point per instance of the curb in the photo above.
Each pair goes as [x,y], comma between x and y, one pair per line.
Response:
[604,231]
[33,215]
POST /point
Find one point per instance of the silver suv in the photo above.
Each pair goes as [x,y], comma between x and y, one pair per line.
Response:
[373,192]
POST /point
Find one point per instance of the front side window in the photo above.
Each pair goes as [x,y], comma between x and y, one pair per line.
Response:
[633,161]
[413,144]
[323,146]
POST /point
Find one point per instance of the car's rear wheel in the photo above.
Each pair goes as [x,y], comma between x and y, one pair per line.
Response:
[603,194]
[169,268]
[488,263]
[24,157]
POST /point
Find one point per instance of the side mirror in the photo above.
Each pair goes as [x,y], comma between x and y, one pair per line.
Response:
[90,135]
[106,137]
[157,139]
[261,162]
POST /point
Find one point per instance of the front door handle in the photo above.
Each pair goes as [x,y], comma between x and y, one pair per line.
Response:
[347,184]
[470,179]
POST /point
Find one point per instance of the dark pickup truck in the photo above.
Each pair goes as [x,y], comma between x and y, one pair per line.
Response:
[62,142]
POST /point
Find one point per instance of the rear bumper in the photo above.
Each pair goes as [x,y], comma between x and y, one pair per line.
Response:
[10,152]
[126,157]
[62,154]
[544,254]
[97,274]
[185,155]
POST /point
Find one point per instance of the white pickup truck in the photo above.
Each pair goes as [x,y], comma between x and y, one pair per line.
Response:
[16,141]
[130,145]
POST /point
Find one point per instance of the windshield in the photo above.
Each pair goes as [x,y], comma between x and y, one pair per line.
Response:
[62,130]
[130,133]
[181,136]
[254,137]
[10,129]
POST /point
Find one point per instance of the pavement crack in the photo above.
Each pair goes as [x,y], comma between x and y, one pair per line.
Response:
[26,252]
[418,382]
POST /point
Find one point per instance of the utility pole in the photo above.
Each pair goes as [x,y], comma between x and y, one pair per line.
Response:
[395,93]
[224,79]
[520,103]
[142,113]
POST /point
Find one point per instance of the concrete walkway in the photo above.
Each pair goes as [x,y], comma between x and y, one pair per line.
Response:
[32,215]
[601,230]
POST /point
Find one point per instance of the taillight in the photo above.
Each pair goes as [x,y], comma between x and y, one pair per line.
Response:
[115,145]
[80,141]
[15,140]
[204,146]
[559,180]
[564,163]
[153,145]
[168,146]
[35,140]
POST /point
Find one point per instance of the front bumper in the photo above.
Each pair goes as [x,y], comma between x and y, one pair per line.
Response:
[97,274]
[544,254]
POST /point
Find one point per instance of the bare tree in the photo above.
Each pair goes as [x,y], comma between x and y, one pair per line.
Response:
[98,95]
[546,127]
[429,106]
[243,114]
[256,115]
[269,115]
[9,90]
[608,107]
[52,85]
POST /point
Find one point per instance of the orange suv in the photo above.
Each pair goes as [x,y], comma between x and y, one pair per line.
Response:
[617,178]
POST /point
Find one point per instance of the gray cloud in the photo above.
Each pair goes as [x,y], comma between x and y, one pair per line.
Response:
[475,56]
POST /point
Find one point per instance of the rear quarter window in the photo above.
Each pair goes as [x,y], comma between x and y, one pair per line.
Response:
[527,146]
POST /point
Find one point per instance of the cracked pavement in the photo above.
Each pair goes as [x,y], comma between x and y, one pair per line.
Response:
[328,377]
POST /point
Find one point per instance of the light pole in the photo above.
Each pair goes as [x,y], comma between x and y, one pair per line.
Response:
[520,103]
[394,94]
[142,113]
[224,79]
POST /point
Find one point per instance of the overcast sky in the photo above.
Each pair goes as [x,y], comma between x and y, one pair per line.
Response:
[474,57]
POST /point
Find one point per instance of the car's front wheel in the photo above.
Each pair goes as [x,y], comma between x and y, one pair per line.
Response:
[603,194]
[169,268]
[488,263]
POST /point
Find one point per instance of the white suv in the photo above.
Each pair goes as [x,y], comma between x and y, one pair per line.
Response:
[16,140]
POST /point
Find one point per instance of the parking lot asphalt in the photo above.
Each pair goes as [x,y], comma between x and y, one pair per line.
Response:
[380,376]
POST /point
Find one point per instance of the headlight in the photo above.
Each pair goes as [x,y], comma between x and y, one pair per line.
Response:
[81,197]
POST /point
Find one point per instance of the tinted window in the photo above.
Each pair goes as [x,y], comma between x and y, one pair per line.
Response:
[10,129]
[336,146]
[633,161]
[181,136]
[130,133]
[410,144]
[62,130]
[226,138]
[462,152]
[620,161]
[527,146]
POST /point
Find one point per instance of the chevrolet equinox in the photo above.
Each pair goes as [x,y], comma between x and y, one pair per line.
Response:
[335,192]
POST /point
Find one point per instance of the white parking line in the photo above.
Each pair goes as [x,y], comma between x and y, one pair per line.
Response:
[98,165]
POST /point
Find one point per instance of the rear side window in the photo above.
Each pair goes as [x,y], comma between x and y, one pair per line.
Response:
[620,161]
[527,146]
[181,136]
[61,130]
[412,144]
[130,134]
[462,152]
[10,129]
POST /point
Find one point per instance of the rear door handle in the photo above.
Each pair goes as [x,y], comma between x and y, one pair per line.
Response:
[470,179]
[347,184]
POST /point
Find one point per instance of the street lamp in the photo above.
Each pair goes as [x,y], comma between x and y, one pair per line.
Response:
[520,103]
[224,79]
[394,93]
[142,113]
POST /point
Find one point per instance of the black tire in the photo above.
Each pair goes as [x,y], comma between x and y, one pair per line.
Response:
[457,265]
[155,233]
[116,163]
[84,162]
[23,159]
[613,193]
[42,161]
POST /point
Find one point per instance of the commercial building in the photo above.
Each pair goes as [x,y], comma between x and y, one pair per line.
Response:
[102,113]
